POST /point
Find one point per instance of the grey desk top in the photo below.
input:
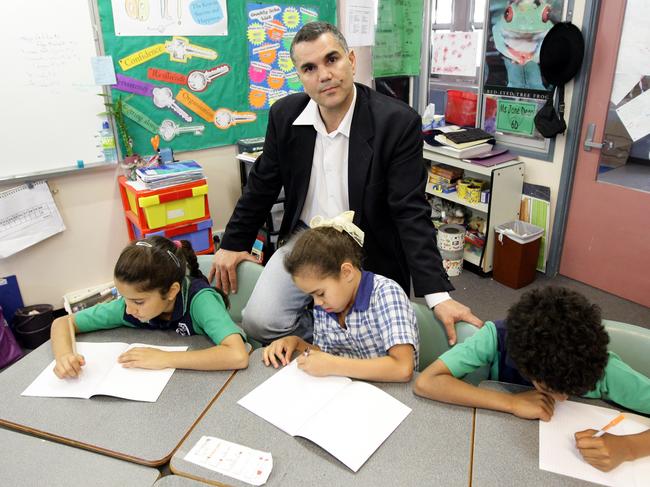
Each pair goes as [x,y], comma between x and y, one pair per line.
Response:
[178,481]
[29,461]
[507,447]
[141,432]
[432,445]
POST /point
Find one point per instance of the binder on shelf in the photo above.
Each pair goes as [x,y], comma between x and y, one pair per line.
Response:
[460,153]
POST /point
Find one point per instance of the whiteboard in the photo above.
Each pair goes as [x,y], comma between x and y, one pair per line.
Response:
[50,110]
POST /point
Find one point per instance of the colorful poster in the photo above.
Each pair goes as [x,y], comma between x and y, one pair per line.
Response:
[193,90]
[170,17]
[271,29]
[515,31]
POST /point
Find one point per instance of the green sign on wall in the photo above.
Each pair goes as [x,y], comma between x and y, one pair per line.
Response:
[516,117]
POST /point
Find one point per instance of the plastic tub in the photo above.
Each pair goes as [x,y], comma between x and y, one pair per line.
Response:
[460,108]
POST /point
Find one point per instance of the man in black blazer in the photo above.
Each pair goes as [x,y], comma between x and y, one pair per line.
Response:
[337,135]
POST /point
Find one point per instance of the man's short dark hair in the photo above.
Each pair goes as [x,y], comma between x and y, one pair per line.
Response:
[313,30]
[556,337]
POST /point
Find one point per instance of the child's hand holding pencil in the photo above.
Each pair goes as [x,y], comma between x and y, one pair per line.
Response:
[602,450]
[69,365]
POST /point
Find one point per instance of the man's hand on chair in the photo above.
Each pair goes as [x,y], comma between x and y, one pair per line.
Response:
[450,312]
[224,269]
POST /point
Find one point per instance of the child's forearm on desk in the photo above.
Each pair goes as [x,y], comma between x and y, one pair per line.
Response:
[228,355]
[437,382]
[449,389]
[381,369]
[60,335]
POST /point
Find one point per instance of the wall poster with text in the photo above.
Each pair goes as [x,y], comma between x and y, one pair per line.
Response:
[515,30]
[271,29]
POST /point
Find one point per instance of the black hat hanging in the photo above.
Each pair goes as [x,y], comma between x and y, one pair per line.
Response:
[560,58]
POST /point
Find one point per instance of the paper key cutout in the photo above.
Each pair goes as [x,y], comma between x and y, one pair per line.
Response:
[164,98]
[199,80]
[180,50]
[225,118]
[170,129]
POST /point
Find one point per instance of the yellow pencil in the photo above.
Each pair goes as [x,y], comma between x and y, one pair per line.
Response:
[73,340]
[609,425]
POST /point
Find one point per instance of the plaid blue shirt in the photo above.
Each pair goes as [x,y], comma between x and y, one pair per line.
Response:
[381,317]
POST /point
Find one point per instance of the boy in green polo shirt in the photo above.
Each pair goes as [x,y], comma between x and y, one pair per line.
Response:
[553,340]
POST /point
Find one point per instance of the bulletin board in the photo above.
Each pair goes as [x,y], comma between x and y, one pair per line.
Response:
[209,89]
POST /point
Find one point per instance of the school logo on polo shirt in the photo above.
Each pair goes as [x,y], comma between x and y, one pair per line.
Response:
[183,330]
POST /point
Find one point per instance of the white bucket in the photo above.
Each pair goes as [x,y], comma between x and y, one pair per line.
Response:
[451,237]
[452,261]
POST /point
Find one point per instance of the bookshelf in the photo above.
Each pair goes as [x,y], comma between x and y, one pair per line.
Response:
[505,182]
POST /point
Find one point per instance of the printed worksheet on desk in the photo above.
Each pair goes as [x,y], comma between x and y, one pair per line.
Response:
[28,215]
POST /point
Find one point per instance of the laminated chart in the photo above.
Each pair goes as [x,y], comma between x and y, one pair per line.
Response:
[271,29]
[170,17]
[28,215]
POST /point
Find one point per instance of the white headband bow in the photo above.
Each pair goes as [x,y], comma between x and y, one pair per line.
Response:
[342,223]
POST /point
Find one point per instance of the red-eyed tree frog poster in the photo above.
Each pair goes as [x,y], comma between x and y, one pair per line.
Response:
[515,31]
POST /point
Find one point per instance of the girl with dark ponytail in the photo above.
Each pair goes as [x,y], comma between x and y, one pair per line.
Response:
[161,287]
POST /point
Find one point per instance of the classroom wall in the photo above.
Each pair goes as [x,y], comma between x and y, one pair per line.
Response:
[89,202]
[547,173]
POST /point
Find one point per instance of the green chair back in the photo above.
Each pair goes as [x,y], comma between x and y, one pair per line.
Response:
[631,343]
[247,275]
[433,339]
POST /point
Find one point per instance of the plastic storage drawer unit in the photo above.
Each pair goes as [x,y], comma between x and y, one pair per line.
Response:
[165,206]
[199,234]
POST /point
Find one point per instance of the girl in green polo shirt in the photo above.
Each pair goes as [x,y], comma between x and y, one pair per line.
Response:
[162,288]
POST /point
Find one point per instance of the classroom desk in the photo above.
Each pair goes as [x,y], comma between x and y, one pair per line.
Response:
[141,432]
[29,461]
[432,445]
[506,448]
[178,481]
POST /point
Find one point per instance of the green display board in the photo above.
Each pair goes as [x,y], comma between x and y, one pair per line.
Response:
[398,38]
[150,68]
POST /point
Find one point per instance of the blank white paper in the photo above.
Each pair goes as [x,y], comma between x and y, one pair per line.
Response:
[291,396]
[558,453]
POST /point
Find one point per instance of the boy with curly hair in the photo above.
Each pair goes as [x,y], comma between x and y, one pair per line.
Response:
[553,340]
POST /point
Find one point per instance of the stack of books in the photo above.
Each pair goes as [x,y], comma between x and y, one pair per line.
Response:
[171,173]
[443,178]
[85,298]
[463,143]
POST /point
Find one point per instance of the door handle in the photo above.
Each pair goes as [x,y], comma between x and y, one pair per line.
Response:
[589,140]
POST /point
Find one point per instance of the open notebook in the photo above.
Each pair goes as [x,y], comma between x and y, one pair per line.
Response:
[102,375]
[558,453]
[349,419]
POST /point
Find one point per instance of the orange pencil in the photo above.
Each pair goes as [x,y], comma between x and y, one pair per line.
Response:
[609,425]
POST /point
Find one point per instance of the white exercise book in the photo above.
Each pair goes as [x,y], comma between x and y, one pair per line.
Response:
[350,419]
[103,375]
[558,452]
